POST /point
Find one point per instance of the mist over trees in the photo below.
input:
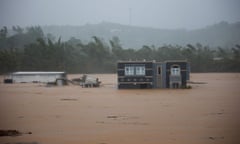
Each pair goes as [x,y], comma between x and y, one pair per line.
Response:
[30,49]
[221,34]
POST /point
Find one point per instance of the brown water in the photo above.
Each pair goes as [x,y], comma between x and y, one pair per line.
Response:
[207,113]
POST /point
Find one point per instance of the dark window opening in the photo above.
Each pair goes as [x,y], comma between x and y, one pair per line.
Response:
[143,86]
[159,70]
[175,85]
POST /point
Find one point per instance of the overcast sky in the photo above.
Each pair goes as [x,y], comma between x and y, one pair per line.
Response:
[171,14]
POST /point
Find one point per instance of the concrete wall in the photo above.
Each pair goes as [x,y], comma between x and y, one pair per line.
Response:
[125,82]
[36,77]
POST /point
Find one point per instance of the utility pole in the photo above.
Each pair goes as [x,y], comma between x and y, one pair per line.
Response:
[130,16]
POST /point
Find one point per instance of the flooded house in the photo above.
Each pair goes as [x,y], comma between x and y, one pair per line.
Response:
[152,74]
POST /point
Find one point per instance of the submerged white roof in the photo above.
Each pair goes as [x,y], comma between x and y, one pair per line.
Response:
[37,72]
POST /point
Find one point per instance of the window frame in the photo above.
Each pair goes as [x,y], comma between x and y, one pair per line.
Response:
[135,70]
[176,70]
[129,70]
[140,70]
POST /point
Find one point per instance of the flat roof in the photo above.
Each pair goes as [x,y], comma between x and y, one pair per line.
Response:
[36,72]
[176,60]
[153,61]
[136,61]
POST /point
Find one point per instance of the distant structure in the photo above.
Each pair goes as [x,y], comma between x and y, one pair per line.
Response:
[130,16]
[151,74]
[44,77]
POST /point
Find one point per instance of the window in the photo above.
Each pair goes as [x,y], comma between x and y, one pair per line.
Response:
[175,70]
[135,70]
[140,70]
[129,70]
[159,70]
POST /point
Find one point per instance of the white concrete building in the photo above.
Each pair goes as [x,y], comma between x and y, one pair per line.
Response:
[44,77]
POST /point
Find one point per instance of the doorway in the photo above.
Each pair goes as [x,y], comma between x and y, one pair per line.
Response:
[159,76]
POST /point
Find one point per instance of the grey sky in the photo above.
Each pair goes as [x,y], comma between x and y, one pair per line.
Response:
[172,14]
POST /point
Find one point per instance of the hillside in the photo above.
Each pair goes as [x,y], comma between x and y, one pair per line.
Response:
[222,34]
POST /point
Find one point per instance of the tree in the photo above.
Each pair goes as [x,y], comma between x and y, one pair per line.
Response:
[117,50]
[18,29]
[3,38]
[3,33]
[235,61]
[10,60]
[145,53]
[31,50]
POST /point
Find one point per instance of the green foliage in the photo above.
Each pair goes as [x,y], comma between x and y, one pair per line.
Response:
[10,60]
[31,50]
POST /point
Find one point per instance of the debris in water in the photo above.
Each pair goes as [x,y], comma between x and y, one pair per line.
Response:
[12,133]
[68,99]
[112,116]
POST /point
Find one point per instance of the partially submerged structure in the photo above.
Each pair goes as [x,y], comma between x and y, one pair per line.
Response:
[86,81]
[51,78]
[44,77]
[151,74]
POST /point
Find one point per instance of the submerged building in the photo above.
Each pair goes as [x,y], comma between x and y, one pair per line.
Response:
[151,74]
[43,77]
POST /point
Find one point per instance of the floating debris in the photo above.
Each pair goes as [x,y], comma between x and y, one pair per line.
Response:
[12,133]
[192,82]
[112,116]
[215,138]
[68,99]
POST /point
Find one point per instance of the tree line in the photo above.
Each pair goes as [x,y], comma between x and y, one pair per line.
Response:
[31,50]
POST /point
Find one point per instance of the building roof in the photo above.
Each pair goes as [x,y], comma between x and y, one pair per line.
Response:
[153,61]
[176,61]
[36,72]
[137,61]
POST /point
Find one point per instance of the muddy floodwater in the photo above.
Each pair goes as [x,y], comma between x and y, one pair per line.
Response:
[209,113]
